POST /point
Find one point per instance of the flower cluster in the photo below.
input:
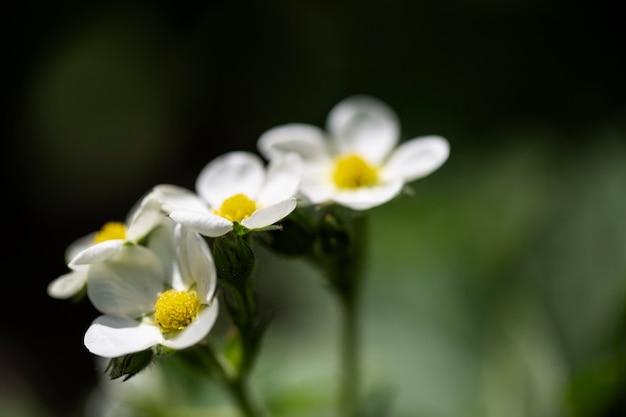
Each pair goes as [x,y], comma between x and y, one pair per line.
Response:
[157,277]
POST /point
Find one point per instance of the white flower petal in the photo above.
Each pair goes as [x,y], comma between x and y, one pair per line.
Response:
[78,246]
[417,158]
[366,198]
[99,252]
[161,242]
[128,284]
[207,224]
[197,330]
[283,178]
[306,140]
[144,218]
[196,263]
[270,215]
[173,197]
[68,285]
[111,337]
[365,126]
[229,174]
[317,184]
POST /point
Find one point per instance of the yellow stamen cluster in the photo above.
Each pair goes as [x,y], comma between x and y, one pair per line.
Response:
[352,171]
[236,208]
[110,230]
[175,310]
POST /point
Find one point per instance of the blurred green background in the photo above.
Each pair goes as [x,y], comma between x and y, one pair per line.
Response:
[497,289]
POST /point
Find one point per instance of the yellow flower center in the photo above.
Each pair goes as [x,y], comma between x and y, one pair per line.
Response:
[175,310]
[352,171]
[110,230]
[236,208]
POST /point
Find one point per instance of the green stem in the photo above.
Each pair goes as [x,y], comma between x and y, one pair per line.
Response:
[349,357]
[345,272]
[236,385]
[240,392]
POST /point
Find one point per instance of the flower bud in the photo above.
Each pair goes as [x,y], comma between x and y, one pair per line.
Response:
[234,260]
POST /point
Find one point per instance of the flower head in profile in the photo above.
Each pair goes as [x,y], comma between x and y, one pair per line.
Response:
[235,190]
[145,305]
[357,162]
[142,219]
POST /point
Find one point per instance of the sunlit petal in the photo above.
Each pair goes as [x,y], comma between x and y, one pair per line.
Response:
[196,263]
[283,178]
[417,158]
[78,246]
[364,126]
[306,140]
[230,174]
[173,197]
[207,224]
[99,252]
[145,217]
[68,284]
[270,215]
[366,198]
[112,337]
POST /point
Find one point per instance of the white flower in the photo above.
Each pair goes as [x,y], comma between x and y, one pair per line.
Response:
[144,217]
[145,305]
[357,163]
[235,188]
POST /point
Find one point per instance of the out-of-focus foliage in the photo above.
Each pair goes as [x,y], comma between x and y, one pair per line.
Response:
[497,289]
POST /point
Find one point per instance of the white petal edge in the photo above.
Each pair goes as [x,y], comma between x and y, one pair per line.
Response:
[173,197]
[111,337]
[229,174]
[283,178]
[317,185]
[68,285]
[365,126]
[196,263]
[318,192]
[366,198]
[207,224]
[417,158]
[79,245]
[270,215]
[99,252]
[144,218]
[306,140]
[197,330]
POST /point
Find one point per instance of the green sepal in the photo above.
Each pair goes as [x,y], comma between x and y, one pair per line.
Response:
[161,350]
[129,365]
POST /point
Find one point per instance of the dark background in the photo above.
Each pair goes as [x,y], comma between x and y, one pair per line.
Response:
[106,100]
